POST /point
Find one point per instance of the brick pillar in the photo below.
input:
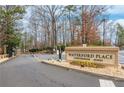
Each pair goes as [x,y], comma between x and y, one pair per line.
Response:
[116,60]
[4,49]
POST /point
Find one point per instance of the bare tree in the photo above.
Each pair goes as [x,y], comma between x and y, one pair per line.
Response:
[91,18]
[50,14]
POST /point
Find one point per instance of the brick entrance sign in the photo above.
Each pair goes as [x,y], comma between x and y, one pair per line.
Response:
[101,55]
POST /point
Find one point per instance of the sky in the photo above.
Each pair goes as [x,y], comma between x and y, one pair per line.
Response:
[117,14]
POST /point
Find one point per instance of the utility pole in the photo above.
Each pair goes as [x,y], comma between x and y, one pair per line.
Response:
[83,24]
[104,28]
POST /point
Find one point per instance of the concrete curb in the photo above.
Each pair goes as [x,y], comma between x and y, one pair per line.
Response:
[122,66]
[8,60]
[87,72]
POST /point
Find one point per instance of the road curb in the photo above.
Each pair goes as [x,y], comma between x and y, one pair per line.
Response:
[11,58]
[87,72]
[122,66]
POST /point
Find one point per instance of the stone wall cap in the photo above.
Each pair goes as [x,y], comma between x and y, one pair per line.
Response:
[92,48]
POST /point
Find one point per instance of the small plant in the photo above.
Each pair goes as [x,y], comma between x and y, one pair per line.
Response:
[62,47]
[84,63]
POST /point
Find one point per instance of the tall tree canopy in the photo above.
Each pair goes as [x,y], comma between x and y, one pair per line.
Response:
[120,35]
[9,17]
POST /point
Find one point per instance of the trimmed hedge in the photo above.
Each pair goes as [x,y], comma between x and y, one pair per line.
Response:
[48,49]
[45,50]
[87,64]
[34,50]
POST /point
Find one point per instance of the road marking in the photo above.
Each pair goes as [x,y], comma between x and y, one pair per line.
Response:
[106,83]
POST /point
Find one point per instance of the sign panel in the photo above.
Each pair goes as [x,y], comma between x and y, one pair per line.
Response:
[93,57]
[91,54]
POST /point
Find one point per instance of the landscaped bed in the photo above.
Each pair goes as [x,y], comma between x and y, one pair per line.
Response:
[87,64]
[112,72]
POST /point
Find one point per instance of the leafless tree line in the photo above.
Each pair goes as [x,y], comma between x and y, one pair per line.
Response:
[52,25]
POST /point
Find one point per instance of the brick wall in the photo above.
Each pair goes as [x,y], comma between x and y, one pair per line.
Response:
[1,50]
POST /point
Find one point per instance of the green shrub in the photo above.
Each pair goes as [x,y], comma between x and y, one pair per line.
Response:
[33,50]
[62,47]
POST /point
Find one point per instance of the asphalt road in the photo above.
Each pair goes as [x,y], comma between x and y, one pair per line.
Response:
[121,57]
[26,71]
